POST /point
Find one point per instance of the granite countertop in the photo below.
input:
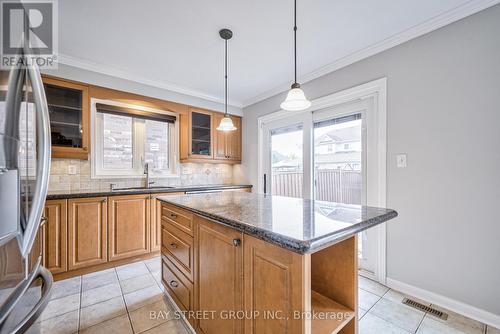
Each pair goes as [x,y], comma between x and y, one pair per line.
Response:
[155,190]
[300,225]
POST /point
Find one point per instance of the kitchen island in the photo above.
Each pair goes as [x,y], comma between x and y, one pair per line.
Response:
[251,263]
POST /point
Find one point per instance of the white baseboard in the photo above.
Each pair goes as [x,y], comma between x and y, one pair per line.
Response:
[456,306]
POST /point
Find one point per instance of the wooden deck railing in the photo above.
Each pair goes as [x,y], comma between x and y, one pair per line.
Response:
[333,185]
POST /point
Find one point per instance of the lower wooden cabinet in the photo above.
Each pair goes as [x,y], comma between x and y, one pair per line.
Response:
[87,232]
[273,281]
[128,226]
[155,219]
[219,276]
[55,236]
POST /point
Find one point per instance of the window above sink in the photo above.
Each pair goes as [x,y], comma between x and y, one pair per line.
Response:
[126,137]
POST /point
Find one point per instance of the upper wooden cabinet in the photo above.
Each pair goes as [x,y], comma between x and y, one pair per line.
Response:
[228,144]
[69,117]
[200,141]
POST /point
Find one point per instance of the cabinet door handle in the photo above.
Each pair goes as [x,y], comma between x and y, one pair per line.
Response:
[104,200]
[173,284]
[173,215]
[173,245]
[237,242]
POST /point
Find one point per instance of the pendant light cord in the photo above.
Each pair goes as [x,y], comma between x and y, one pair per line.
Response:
[225,81]
[295,37]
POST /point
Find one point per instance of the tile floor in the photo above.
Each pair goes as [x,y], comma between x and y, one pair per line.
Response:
[119,300]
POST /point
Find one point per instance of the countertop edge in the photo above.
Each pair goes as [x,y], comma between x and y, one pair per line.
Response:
[145,191]
[294,245]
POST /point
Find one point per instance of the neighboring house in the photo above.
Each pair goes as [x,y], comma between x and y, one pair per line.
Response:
[339,149]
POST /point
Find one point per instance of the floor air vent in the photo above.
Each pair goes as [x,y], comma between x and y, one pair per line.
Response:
[425,308]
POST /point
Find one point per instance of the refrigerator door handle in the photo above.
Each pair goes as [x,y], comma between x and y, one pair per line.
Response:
[31,317]
[43,160]
[21,289]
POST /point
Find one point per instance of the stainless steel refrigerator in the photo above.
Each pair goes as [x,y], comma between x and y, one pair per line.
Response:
[24,171]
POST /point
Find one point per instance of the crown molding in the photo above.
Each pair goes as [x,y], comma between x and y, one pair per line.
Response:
[118,73]
[432,24]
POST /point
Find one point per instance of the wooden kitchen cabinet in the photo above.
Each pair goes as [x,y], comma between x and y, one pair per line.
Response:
[218,276]
[155,219]
[55,235]
[87,232]
[128,226]
[69,110]
[228,144]
[201,134]
[274,280]
[200,141]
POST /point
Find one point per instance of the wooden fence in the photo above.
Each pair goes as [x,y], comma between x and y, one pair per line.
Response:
[332,185]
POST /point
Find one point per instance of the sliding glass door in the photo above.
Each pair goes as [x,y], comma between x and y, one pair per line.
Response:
[339,172]
[286,170]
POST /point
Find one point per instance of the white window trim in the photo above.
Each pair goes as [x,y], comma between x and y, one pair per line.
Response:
[96,153]
[377,176]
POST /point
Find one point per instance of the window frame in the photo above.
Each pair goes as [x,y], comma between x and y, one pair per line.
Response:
[138,142]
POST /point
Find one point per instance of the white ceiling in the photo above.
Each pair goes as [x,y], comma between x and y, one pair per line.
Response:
[175,44]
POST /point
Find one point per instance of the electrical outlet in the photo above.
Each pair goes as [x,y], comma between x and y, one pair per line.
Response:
[401,160]
[71,169]
[186,171]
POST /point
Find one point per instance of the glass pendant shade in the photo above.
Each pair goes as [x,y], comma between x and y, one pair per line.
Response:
[295,100]
[226,124]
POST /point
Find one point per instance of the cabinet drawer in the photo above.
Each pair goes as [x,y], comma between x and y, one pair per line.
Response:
[178,287]
[181,219]
[178,247]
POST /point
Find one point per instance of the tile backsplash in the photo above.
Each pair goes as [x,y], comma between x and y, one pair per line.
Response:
[190,174]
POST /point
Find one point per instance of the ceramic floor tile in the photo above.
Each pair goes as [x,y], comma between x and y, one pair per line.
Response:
[118,325]
[398,314]
[367,299]
[150,316]
[492,330]
[361,312]
[153,264]
[398,297]
[170,327]
[137,283]
[372,286]
[100,312]
[460,323]
[96,280]
[432,326]
[60,306]
[371,324]
[136,299]
[131,270]
[63,324]
[66,287]
[100,294]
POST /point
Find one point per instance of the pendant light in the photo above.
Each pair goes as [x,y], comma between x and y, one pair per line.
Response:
[226,123]
[295,99]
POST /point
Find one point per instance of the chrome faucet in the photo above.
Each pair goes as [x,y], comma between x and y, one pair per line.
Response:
[146,172]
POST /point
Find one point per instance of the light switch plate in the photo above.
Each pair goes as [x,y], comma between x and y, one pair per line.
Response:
[71,169]
[401,160]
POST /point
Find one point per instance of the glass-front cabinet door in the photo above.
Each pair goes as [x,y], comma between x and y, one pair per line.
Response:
[69,111]
[201,134]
